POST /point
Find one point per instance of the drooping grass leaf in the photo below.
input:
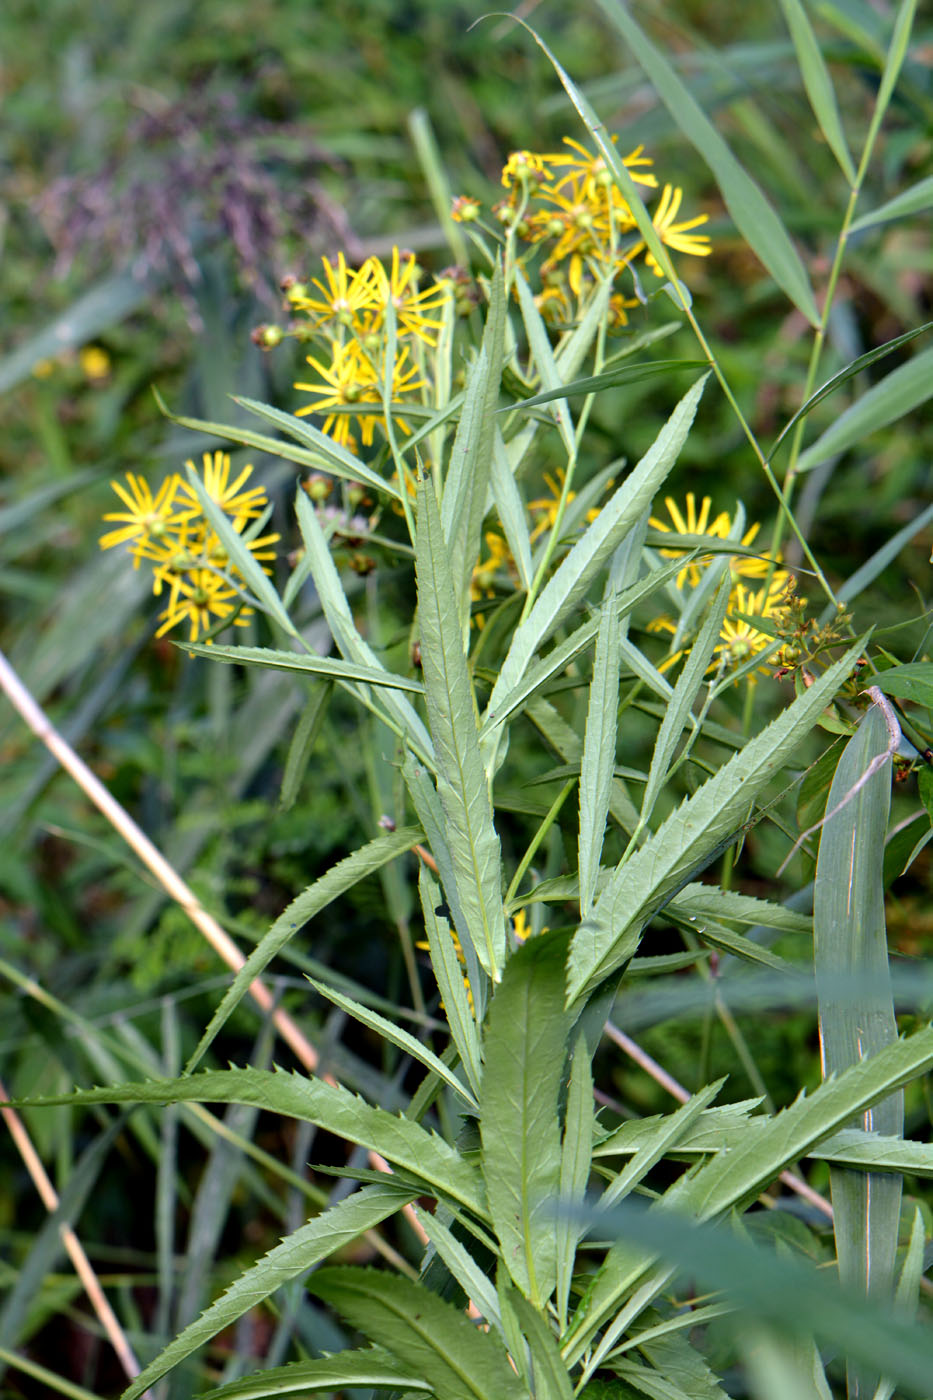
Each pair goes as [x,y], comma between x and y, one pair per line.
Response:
[340,878]
[387,1031]
[849,937]
[753,216]
[324,450]
[594,383]
[847,372]
[818,84]
[914,200]
[901,391]
[424,1333]
[322,1236]
[523,1053]
[343,1371]
[621,513]
[461,779]
[690,838]
[545,365]
[599,754]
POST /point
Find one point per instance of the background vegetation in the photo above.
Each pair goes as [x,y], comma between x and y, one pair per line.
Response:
[163,167]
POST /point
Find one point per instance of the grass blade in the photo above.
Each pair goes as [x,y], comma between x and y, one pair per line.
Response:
[599,754]
[915,200]
[594,383]
[449,977]
[885,402]
[344,1371]
[330,667]
[818,84]
[753,216]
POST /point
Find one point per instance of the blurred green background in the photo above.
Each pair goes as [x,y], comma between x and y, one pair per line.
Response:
[162,167]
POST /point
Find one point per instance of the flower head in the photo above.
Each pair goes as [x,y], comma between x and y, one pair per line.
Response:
[147,517]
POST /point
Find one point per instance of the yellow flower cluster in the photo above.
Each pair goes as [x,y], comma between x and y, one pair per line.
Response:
[170,531]
[753,593]
[347,310]
[568,205]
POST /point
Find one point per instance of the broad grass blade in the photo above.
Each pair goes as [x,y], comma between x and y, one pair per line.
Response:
[753,216]
[345,1371]
[818,84]
[885,402]
[621,513]
[690,838]
[523,1054]
[599,754]
[423,1332]
[461,778]
[850,942]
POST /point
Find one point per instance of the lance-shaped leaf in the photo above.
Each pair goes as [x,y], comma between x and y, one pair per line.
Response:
[332,667]
[914,200]
[401,1141]
[621,513]
[461,778]
[321,1237]
[690,838]
[523,1054]
[464,500]
[424,1333]
[599,754]
[449,977]
[904,389]
[575,1161]
[336,881]
[350,644]
[344,1371]
[818,84]
[753,216]
[849,942]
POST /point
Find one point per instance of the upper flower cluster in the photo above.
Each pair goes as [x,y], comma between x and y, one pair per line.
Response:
[567,204]
[171,532]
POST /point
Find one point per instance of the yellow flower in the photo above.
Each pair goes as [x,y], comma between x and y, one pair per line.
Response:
[525,167]
[95,362]
[674,235]
[738,639]
[351,381]
[146,517]
[547,505]
[201,599]
[240,505]
[697,522]
[400,287]
[344,298]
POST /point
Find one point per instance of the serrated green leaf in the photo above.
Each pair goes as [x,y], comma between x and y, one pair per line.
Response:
[350,644]
[599,754]
[465,489]
[449,977]
[240,557]
[336,881]
[523,1052]
[345,1370]
[462,1266]
[575,1160]
[904,389]
[671,1130]
[304,737]
[568,745]
[753,216]
[387,1031]
[511,510]
[710,901]
[425,1334]
[914,200]
[297,1253]
[461,779]
[690,838]
[544,363]
[594,383]
[562,593]
[324,450]
[818,84]
[913,681]
[331,667]
[400,1140]
[551,1380]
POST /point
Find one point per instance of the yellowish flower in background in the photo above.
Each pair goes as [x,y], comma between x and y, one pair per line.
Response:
[202,598]
[674,235]
[352,381]
[400,287]
[527,167]
[95,362]
[692,521]
[240,505]
[738,639]
[343,298]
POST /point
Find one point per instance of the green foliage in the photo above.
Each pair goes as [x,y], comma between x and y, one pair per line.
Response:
[530,739]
